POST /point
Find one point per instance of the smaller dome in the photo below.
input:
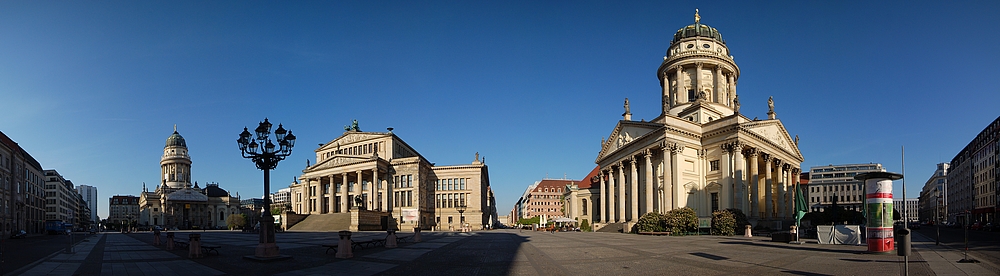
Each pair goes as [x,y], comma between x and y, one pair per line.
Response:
[187,195]
[175,140]
[215,191]
[697,29]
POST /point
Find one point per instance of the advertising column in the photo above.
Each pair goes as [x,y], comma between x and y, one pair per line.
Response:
[878,210]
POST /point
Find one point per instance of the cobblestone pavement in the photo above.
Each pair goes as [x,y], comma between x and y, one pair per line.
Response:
[501,252]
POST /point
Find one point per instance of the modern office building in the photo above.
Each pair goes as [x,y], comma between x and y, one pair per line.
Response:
[61,200]
[89,194]
[700,151]
[836,183]
[909,213]
[972,181]
[933,196]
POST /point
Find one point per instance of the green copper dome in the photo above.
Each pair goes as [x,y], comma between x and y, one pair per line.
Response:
[697,29]
[175,140]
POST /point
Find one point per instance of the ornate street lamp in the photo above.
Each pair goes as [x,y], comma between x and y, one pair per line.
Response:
[266,155]
[461,216]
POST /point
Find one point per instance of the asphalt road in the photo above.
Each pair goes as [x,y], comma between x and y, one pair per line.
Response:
[18,253]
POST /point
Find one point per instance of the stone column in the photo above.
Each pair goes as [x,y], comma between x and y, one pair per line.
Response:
[357,187]
[612,208]
[634,184]
[697,79]
[650,181]
[666,179]
[675,175]
[782,192]
[754,181]
[604,198]
[680,94]
[387,194]
[621,192]
[373,195]
[739,169]
[726,196]
[732,87]
[344,197]
[768,206]
[665,82]
[717,82]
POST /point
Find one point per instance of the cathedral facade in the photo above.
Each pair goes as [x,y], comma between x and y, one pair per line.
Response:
[177,204]
[700,152]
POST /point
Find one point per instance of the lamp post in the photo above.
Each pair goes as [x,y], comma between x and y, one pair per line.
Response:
[265,155]
[461,216]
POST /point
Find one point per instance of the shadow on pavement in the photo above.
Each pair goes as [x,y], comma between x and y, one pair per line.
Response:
[795,247]
[487,253]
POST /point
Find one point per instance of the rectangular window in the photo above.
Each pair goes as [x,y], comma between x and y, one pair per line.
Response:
[409,180]
[463,183]
[714,164]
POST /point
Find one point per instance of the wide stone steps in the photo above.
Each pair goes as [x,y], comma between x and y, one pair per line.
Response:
[324,222]
[611,228]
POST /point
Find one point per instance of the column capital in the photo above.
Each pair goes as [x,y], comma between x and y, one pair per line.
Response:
[796,170]
[648,153]
[786,167]
[699,65]
[752,152]
[631,160]
[766,157]
[778,162]
[678,68]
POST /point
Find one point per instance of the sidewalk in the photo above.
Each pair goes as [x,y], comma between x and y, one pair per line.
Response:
[944,260]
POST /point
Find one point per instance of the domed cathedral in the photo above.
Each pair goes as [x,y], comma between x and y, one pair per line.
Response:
[700,152]
[176,203]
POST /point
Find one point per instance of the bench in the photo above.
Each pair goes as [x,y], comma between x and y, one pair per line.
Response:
[402,239]
[330,246]
[210,248]
[655,233]
[372,242]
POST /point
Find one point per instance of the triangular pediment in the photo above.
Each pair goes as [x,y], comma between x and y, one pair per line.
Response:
[774,132]
[624,134]
[351,137]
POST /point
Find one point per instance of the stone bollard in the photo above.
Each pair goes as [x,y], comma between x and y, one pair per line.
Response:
[194,245]
[749,231]
[156,237]
[390,239]
[170,240]
[416,234]
[344,250]
[794,231]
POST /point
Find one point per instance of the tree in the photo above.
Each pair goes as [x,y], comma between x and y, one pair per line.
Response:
[723,223]
[529,221]
[680,221]
[584,226]
[235,221]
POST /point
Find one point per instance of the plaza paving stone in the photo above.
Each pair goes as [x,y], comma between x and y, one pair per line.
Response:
[500,252]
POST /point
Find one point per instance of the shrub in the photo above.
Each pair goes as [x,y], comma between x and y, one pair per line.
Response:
[723,223]
[683,220]
[650,222]
[235,221]
[741,221]
[585,226]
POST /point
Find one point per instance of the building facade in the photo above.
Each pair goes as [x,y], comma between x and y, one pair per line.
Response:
[700,151]
[89,194]
[581,197]
[933,196]
[22,193]
[909,213]
[61,200]
[123,209]
[282,199]
[175,202]
[836,183]
[378,171]
[972,183]
[546,199]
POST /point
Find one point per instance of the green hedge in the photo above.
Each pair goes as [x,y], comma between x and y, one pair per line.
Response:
[741,221]
[681,221]
[650,222]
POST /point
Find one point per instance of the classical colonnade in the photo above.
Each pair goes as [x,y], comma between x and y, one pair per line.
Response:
[752,180]
[321,193]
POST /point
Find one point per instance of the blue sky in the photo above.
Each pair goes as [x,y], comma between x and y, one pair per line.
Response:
[93,89]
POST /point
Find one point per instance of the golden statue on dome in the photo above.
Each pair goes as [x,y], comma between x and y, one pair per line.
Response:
[697,18]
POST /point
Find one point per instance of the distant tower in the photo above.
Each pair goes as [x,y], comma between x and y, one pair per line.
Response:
[175,165]
[698,69]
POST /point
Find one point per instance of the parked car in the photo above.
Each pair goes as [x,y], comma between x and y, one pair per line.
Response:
[914,225]
[19,234]
[976,226]
[989,226]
